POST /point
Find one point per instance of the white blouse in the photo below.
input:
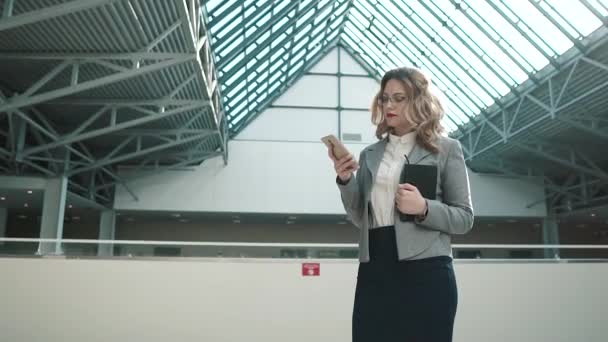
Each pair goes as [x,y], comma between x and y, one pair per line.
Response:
[387,178]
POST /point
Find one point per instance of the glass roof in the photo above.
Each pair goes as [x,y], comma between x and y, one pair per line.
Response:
[476,51]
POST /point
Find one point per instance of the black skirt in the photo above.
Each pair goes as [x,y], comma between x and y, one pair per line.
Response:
[402,301]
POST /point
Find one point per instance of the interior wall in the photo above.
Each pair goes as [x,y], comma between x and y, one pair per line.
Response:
[240,300]
[279,165]
[295,178]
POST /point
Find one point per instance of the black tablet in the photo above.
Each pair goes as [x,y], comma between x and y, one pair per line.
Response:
[424,177]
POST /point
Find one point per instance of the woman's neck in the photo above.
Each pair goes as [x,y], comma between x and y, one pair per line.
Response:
[402,131]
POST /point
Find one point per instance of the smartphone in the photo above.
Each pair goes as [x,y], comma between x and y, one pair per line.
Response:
[335,145]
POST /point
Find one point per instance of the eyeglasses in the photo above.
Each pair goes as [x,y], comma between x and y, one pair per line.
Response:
[395,98]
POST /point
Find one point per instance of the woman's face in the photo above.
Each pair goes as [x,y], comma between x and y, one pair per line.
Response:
[393,101]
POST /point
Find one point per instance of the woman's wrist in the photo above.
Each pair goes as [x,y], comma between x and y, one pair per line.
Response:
[342,181]
[424,212]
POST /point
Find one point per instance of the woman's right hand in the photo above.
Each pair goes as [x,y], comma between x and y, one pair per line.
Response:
[344,167]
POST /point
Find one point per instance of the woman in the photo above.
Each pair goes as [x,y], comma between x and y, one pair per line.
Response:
[406,288]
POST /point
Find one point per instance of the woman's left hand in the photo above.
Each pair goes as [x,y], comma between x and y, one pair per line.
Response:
[409,200]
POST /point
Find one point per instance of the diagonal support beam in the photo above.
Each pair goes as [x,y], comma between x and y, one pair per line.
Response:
[47,129]
[129,56]
[508,168]
[86,155]
[141,152]
[158,133]
[580,188]
[544,151]
[579,191]
[4,154]
[138,174]
[162,102]
[162,36]
[552,110]
[22,101]
[49,76]
[205,55]
[112,127]
[586,125]
[7,11]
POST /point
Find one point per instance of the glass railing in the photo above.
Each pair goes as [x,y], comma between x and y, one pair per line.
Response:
[184,249]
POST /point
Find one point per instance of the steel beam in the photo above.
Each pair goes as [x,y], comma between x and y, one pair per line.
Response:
[260,47]
[272,21]
[557,23]
[22,101]
[580,190]
[161,132]
[526,32]
[227,38]
[125,56]
[139,152]
[7,10]
[319,107]
[544,150]
[189,17]
[50,132]
[162,102]
[554,110]
[138,173]
[112,127]
[602,18]
[162,36]
[14,21]
[277,47]
[508,167]
[587,125]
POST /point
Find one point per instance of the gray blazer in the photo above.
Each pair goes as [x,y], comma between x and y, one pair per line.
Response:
[450,213]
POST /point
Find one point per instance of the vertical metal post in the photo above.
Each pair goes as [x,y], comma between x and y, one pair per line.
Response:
[339,94]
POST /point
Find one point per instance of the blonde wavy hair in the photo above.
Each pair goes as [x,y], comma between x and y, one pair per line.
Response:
[423,109]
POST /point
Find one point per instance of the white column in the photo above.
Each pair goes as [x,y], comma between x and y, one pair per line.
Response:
[3,218]
[551,236]
[107,231]
[53,211]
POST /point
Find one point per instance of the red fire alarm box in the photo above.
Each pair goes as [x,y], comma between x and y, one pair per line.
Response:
[311,269]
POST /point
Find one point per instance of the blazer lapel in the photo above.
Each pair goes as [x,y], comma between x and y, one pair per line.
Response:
[373,157]
[418,153]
